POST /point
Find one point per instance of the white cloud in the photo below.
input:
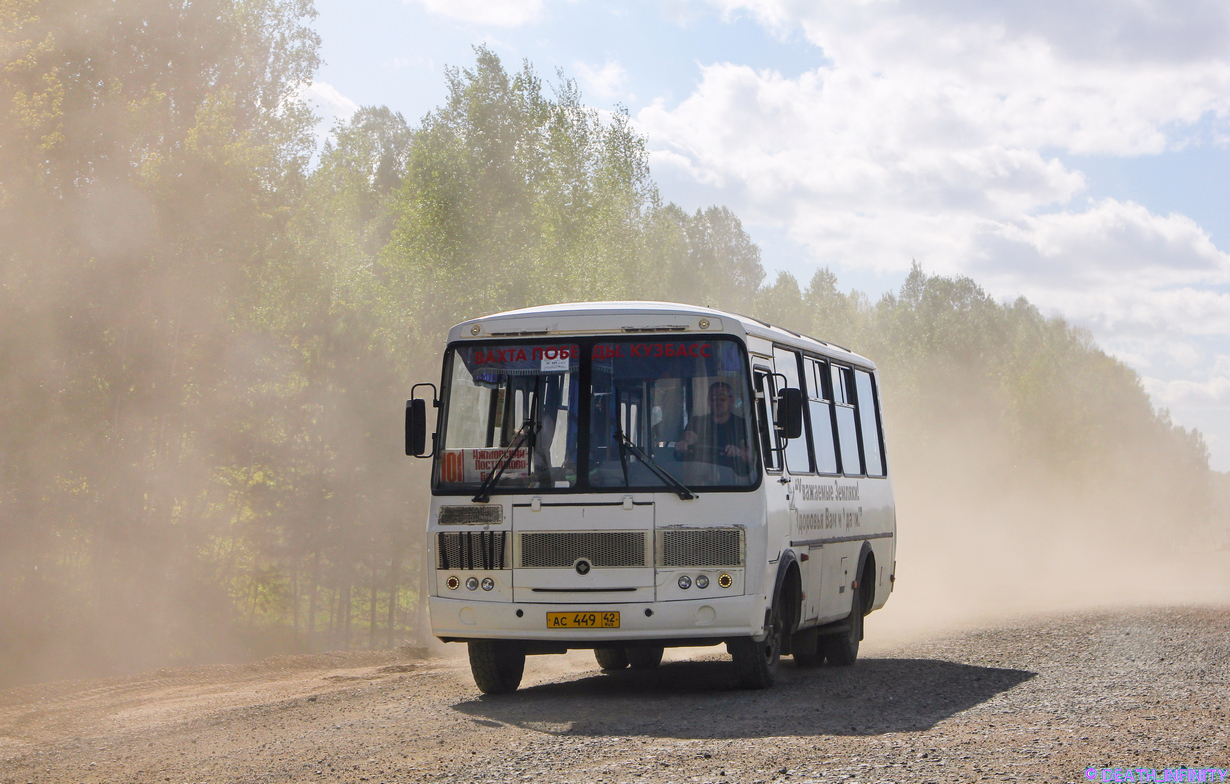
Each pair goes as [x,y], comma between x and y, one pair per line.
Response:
[502,13]
[606,82]
[931,137]
[1215,391]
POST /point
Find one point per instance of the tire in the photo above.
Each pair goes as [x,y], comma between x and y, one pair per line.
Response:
[805,647]
[757,663]
[611,659]
[842,649]
[644,658]
[497,665]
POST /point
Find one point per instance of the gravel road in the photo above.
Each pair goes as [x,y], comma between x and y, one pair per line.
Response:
[1042,698]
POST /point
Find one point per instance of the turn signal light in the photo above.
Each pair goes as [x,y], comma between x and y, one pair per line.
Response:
[452,582]
[726,581]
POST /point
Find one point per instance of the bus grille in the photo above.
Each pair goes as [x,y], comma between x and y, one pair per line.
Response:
[471,550]
[702,547]
[548,549]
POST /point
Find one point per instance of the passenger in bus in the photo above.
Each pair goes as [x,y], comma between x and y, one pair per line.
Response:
[717,437]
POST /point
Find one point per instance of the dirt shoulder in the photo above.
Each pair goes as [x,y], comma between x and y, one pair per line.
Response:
[1041,699]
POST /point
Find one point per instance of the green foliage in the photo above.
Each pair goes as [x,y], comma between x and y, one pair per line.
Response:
[513,198]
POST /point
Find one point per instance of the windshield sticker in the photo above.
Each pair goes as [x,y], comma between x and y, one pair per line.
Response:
[473,465]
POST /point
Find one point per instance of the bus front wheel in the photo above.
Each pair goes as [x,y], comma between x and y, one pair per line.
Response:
[611,659]
[756,663]
[497,665]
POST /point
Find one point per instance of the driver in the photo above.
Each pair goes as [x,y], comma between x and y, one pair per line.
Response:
[719,436]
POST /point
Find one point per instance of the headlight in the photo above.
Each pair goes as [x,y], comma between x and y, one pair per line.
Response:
[685,582]
[702,581]
[472,583]
[488,583]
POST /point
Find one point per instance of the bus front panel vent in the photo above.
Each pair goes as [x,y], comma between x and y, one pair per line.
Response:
[701,547]
[471,515]
[472,550]
[559,549]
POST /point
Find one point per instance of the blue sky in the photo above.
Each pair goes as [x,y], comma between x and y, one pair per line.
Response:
[1075,152]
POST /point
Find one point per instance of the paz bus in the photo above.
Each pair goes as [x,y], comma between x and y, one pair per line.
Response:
[631,476]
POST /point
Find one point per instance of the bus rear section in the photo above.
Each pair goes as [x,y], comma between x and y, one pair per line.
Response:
[595,489]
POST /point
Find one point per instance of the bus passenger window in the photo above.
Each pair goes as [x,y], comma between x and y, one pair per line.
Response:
[798,460]
[820,411]
[869,422]
[847,428]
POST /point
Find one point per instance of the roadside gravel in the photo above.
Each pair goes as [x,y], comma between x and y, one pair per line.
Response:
[1037,699]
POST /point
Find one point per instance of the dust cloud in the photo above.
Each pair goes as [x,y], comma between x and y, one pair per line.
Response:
[984,536]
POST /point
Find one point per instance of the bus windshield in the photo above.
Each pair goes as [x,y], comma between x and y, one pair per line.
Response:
[652,406]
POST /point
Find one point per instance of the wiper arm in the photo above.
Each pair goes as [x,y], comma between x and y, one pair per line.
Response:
[484,490]
[680,489]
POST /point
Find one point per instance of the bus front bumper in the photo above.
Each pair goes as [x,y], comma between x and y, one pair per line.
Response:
[700,619]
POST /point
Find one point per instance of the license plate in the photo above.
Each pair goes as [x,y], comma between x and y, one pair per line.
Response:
[583,620]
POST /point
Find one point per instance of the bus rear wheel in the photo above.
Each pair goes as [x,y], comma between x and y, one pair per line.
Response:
[756,663]
[644,658]
[611,659]
[497,665]
[842,649]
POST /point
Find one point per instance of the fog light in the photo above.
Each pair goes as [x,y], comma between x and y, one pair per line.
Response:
[726,581]
[452,582]
[685,582]
[702,581]
[472,583]
[488,583]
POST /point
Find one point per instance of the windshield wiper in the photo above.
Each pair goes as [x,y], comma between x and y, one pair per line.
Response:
[680,489]
[484,490]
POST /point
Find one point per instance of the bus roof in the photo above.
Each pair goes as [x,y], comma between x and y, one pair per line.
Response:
[597,318]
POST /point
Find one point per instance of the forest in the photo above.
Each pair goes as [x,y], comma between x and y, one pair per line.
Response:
[208,329]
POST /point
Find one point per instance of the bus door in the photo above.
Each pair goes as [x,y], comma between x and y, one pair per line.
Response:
[844,511]
[777,478]
[801,470]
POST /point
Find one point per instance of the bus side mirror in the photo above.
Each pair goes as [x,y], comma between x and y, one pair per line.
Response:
[790,412]
[416,427]
[416,423]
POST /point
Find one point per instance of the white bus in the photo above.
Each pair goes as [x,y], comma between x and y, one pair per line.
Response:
[631,476]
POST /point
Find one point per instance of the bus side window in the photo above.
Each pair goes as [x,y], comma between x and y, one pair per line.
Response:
[820,415]
[847,426]
[798,459]
[765,397]
[869,422]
